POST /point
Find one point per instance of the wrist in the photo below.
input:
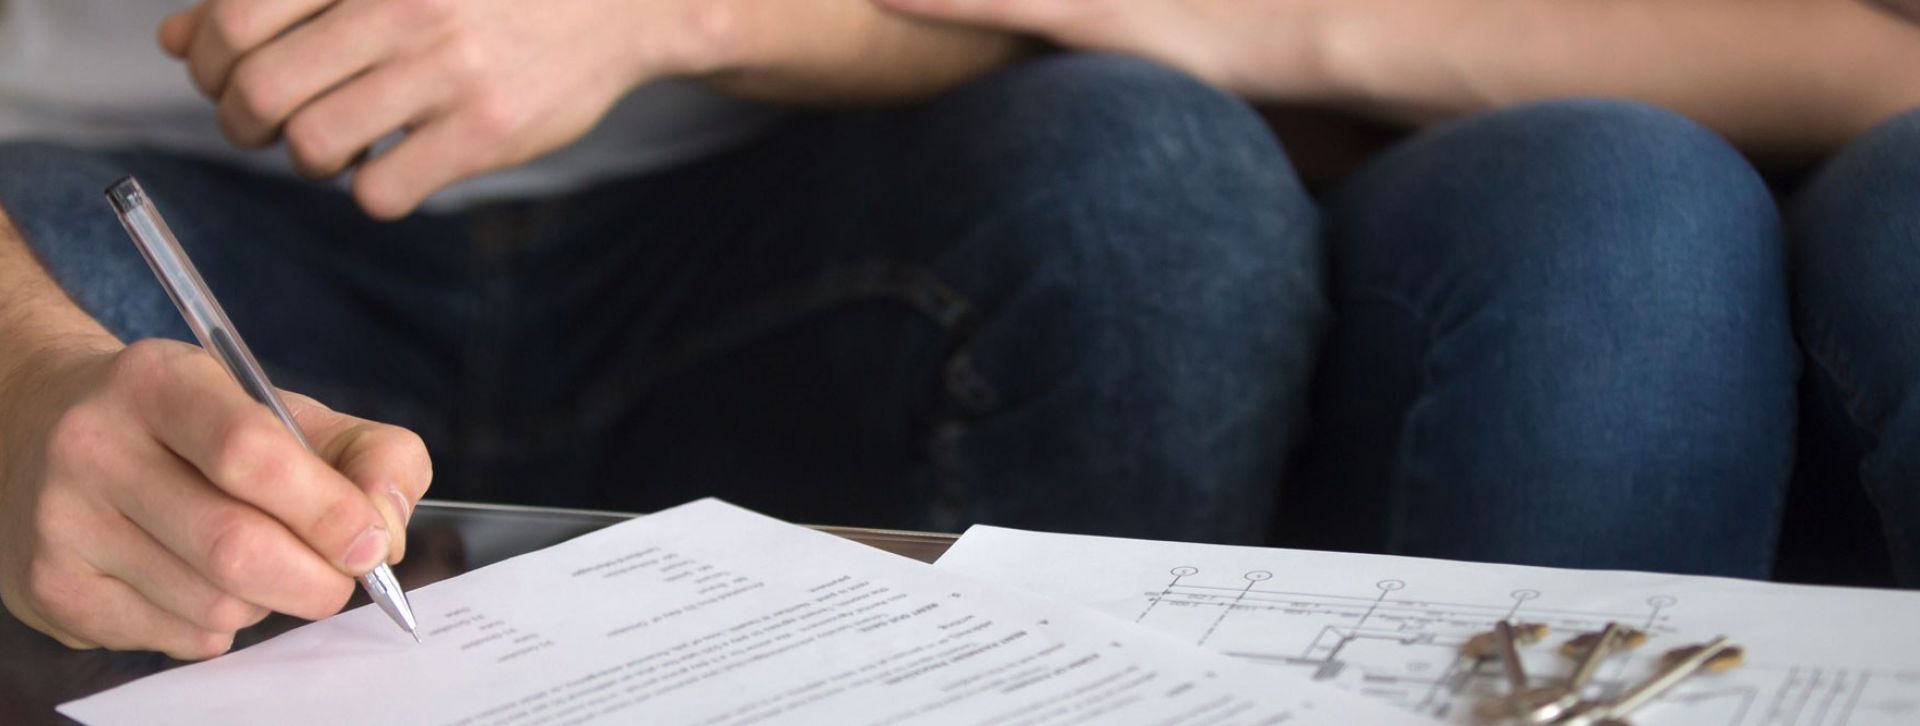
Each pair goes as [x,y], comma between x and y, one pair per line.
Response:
[1357,49]
[1295,56]
[711,37]
[30,372]
[36,350]
[42,328]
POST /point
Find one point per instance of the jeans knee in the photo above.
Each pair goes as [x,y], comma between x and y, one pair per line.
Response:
[1621,173]
[1856,263]
[1856,228]
[1130,207]
[1622,138]
[1111,127]
[1583,202]
[1084,100]
[1139,177]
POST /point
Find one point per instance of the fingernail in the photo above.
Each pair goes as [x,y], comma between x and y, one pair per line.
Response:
[368,550]
[400,505]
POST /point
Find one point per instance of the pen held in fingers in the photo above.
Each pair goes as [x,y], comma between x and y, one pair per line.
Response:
[210,324]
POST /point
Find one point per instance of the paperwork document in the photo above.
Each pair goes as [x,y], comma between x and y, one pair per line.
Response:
[1391,628]
[710,614]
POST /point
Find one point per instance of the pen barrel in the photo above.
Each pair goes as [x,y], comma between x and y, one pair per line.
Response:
[190,294]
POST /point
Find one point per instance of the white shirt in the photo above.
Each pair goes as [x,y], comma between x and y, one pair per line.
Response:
[90,73]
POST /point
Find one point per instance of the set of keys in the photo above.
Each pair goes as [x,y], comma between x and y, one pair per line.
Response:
[1566,703]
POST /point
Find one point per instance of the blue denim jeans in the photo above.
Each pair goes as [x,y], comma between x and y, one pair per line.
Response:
[1562,338]
[1855,228]
[1080,294]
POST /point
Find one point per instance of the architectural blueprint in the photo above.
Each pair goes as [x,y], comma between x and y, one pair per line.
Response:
[1391,628]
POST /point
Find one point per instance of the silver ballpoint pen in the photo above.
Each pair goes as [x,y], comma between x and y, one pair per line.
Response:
[210,324]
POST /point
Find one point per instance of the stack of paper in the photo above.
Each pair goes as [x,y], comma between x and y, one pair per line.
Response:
[709,614]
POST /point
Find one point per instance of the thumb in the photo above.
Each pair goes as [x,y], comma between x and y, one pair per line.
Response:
[390,464]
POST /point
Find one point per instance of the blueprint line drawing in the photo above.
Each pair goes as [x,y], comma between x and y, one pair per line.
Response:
[1393,628]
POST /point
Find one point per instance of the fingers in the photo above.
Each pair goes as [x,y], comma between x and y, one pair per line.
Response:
[334,131]
[191,406]
[233,546]
[271,83]
[23,606]
[388,463]
[83,609]
[176,32]
[228,29]
[116,617]
[430,158]
[162,578]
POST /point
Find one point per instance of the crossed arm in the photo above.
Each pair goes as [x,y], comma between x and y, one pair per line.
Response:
[1787,80]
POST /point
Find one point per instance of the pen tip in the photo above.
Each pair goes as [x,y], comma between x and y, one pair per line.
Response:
[416,636]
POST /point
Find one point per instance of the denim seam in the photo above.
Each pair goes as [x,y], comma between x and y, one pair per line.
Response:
[753,322]
[1819,352]
[948,423]
[1819,355]
[1400,474]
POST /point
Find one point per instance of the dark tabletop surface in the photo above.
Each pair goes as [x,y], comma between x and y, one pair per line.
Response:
[443,540]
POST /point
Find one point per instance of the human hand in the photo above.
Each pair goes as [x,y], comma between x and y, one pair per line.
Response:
[475,85]
[146,503]
[1265,49]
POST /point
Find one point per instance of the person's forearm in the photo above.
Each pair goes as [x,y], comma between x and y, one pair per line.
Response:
[845,51]
[36,317]
[1784,79]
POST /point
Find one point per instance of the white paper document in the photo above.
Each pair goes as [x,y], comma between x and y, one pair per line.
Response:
[1391,628]
[709,614]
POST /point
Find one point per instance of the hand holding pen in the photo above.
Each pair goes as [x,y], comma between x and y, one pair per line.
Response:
[148,503]
[367,552]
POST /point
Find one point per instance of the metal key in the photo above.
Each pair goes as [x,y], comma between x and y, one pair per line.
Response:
[1546,703]
[1624,638]
[1509,654]
[1592,713]
[1484,646]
